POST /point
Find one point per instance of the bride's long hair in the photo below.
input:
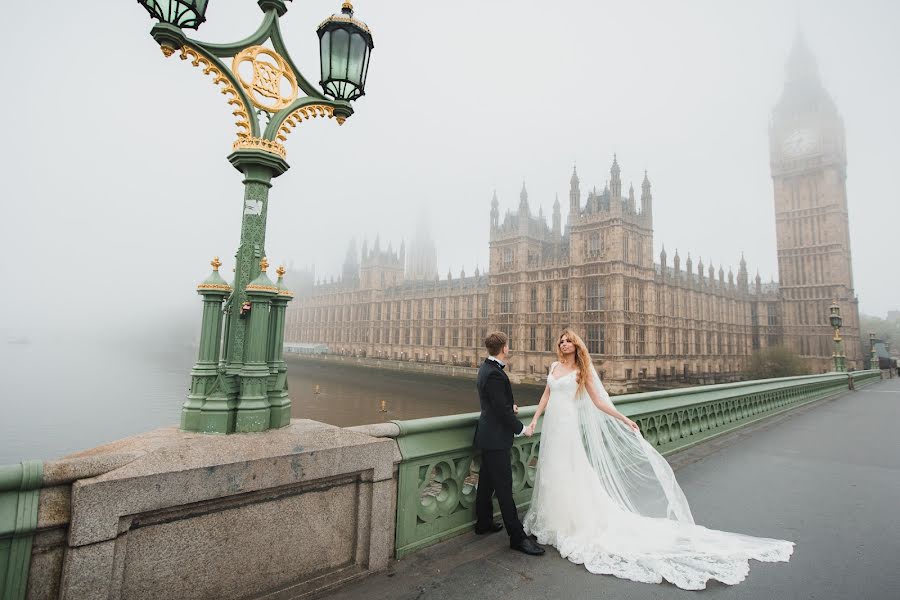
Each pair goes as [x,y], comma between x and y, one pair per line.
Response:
[582,358]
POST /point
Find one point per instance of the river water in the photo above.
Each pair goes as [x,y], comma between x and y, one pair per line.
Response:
[61,397]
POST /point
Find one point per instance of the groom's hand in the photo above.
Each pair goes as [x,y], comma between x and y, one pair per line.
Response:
[515,409]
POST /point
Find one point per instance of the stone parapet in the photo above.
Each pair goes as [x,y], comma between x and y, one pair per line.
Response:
[168,514]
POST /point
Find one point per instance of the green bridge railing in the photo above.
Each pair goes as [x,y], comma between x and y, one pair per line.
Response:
[439,470]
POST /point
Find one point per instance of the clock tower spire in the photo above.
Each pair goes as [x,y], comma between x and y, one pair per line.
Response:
[808,161]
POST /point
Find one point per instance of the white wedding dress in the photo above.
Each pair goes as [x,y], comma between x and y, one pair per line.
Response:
[605,498]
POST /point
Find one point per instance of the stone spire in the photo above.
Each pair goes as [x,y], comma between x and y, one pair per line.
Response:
[523,202]
[495,212]
[574,193]
[351,262]
[676,262]
[615,183]
[632,206]
[557,218]
[743,283]
[646,199]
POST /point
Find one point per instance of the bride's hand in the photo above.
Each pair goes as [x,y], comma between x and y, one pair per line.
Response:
[631,423]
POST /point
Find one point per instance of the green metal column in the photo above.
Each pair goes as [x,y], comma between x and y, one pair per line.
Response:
[19,493]
[873,360]
[259,168]
[253,412]
[279,400]
[206,370]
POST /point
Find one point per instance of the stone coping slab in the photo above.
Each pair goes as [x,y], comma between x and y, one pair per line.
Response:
[175,468]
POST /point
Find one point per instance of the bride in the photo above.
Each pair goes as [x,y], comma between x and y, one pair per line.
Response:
[606,499]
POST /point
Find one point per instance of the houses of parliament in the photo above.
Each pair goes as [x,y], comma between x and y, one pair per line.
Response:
[643,317]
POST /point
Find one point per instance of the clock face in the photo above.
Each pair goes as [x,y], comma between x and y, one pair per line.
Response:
[798,142]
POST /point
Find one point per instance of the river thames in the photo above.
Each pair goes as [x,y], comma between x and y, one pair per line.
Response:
[62,397]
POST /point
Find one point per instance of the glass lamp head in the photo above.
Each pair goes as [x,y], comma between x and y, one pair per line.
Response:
[184,14]
[345,44]
[835,316]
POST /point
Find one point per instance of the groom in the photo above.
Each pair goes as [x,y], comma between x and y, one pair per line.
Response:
[497,425]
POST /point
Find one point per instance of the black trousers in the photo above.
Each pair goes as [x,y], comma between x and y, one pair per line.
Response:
[495,477]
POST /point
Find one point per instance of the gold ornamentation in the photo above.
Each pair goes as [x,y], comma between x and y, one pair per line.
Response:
[167,50]
[345,19]
[241,112]
[254,143]
[216,263]
[268,72]
[347,5]
[287,293]
[280,272]
[261,288]
[263,264]
[301,114]
[224,287]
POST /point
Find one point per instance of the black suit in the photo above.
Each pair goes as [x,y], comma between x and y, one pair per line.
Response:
[497,425]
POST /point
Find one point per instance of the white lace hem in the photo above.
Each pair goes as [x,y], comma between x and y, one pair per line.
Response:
[687,570]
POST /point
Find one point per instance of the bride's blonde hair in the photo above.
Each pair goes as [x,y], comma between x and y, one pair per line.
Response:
[582,358]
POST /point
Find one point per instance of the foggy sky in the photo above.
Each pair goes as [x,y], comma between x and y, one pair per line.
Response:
[118,193]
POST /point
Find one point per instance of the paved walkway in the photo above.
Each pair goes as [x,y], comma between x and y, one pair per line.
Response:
[826,476]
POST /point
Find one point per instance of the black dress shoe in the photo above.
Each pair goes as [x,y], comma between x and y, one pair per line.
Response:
[528,547]
[493,528]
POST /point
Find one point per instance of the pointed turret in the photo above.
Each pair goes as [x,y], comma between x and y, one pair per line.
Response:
[676,263]
[574,193]
[523,202]
[730,278]
[351,262]
[743,283]
[689,267]
[615,183]
[557,218]
[632,207]
[721,274]
[495,212]
[646,199]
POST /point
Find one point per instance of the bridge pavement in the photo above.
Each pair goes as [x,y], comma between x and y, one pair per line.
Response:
[826,476]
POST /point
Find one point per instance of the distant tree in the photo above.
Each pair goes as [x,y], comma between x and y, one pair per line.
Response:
[776,361]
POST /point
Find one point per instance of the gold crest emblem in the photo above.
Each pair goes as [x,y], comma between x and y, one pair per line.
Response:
[266,77]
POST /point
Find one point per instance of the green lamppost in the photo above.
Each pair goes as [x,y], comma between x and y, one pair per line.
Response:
[836,322]
[873,361]
[239,382]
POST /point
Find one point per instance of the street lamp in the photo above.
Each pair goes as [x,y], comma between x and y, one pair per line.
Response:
[836,322]
[873,361]
[239,382]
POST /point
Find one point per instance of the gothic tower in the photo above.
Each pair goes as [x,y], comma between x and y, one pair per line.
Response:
[808,161]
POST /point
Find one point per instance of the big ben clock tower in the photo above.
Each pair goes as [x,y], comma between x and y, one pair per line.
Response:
[809,164]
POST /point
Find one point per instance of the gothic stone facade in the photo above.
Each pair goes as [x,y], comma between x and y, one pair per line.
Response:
[642,320]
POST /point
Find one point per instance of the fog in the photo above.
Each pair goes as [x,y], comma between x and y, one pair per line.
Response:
[118,192]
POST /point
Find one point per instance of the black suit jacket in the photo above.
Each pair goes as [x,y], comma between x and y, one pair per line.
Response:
[497,423]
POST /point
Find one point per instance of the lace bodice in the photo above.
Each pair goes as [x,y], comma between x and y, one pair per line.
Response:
[561,406]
